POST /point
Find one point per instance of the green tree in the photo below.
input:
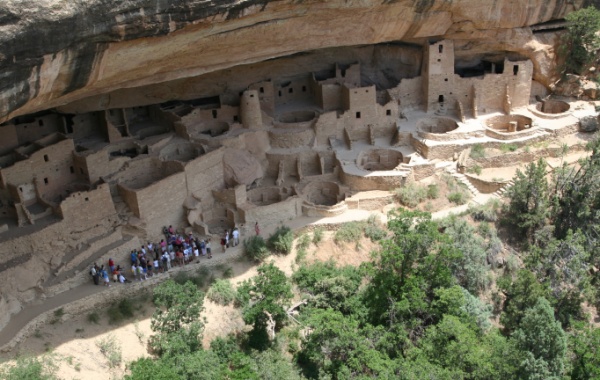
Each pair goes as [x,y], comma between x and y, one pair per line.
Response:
[581,41]
[542,341]
[267,292]
[529,202]
[339,345]
[152,369]
[584,346]
[520,294]
[408,269]
[472,268]
[326,286]
[576,198]
[176,320]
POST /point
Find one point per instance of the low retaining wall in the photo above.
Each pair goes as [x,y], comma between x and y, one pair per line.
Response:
[485,187]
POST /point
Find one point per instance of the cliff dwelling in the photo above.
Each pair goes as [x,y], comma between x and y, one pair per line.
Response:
[92,176]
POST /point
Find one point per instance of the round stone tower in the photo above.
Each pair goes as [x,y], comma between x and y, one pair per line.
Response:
[250,110]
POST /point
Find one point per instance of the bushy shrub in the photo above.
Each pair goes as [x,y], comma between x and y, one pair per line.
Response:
[303,242]
[120,311]
[350,232]
[485,213]
[411,194]
[508,148]
[255,248]
[111,350]
[433,191]
[477,151]
[476,169]
[282,240]
[28,368]
[221,292]
[373,229]
[458,197]
[318,235]
[242,294]
[93,317]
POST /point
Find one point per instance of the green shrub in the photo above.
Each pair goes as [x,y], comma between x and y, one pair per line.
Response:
[318,235]
[120,311]
[57,315]
[301,255]
[201,278]
[484,213]
[181,278]
[477,151]
[282,240]
[242,294]
[93,317]
[227,272]
[111,350]
[476,169]
[29,368]
[255,248]
[373,229]
[303,242]
[411,194]
[221,292]
[348,232]
[458,197]
[508,147]
[433,191]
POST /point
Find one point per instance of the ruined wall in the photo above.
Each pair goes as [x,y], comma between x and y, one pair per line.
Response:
[52,166]
[225,113]
[266,95]
[84,208]
[280,212]
[161,203]
[205,174]
[362,183]
[292,91]
[327,126]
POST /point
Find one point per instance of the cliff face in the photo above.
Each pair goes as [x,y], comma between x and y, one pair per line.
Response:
[54,52]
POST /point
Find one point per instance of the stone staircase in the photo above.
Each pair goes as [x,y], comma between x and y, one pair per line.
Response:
[502,191]
[461,178]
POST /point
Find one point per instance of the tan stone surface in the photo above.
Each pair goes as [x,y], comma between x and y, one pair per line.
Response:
[245,33]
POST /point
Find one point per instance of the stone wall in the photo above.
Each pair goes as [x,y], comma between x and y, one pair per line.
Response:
[275,213]
[84,208]
[205,174]
[51,168]
[484,186]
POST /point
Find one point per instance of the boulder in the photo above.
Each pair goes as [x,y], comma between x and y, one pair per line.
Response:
[588,124]
[240,167]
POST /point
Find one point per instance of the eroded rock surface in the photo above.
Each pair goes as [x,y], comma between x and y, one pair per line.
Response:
[54,52]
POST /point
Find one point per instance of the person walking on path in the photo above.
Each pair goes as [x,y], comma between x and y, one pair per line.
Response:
[257,229]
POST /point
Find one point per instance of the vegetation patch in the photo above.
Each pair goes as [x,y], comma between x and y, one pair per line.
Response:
[255,248]
[282,240]
[221,292]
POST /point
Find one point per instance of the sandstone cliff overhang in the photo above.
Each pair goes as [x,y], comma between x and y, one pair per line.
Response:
[54,52]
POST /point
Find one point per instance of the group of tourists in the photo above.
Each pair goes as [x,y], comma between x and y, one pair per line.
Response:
[155,258]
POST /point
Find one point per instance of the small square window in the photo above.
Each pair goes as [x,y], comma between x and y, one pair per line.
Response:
[358,115]
[46,158]
[46,181]
[388,112]
[72,170]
